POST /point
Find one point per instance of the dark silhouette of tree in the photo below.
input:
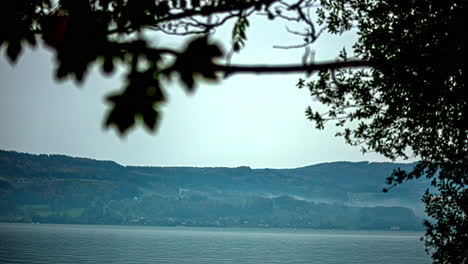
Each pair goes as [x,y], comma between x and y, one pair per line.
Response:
[412,100]
[399,91]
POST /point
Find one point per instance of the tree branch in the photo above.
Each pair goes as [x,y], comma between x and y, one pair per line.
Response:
[210,10]
[274,69]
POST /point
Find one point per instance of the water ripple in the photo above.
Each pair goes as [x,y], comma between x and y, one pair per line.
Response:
[27,243]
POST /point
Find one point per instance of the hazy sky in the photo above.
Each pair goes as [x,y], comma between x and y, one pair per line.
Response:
[250,120]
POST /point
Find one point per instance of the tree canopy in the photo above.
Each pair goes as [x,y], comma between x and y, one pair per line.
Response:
[412,101]
[399,91]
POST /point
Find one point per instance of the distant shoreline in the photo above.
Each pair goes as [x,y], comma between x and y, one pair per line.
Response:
[222,227]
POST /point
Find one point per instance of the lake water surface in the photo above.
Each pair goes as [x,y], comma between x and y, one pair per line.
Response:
[43,243]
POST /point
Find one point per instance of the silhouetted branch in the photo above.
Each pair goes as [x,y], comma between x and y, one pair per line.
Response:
[207,10]
[274,69]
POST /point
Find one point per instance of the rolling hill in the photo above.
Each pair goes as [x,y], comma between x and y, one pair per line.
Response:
[63,189]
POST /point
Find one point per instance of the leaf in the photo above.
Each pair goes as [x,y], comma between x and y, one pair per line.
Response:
[238,33]
[151,119]
[120,118]
[270,15]
[13,51]
[108,65]
[196,59]
[79,74]
[138,102]
[61,72]
[31,39]
[236,46]
[300,84]
[187,79]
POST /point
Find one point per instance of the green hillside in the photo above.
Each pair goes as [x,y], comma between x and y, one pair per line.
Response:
[346,195]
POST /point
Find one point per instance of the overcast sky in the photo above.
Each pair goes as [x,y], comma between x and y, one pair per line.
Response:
[249,120]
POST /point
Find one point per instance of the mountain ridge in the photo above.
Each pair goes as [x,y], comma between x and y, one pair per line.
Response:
[56,155]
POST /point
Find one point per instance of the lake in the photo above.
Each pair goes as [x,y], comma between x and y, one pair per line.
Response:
[44,243]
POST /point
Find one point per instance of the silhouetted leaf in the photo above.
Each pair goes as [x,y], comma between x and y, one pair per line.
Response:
[196,59]
[31,39]
[151,119]
[13,51]
[108,65]
[120,118]
[139,101]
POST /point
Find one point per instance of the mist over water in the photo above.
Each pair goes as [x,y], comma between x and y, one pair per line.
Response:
[29,243]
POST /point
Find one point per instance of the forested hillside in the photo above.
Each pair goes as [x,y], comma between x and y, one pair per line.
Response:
[62,189]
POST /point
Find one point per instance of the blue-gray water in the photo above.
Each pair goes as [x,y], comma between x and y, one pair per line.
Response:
[29,243]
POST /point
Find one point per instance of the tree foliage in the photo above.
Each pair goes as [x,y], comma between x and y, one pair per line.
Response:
[413,100]
[400,91]
[112,33]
